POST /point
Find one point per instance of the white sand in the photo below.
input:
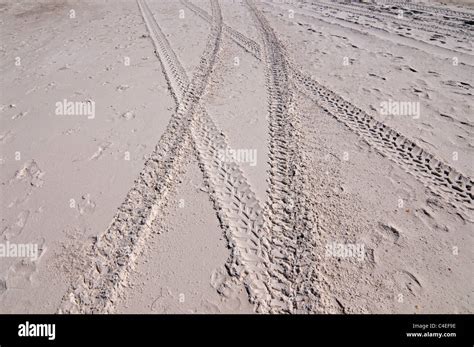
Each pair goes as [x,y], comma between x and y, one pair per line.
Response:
[133,209]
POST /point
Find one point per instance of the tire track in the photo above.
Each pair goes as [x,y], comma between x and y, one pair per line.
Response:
[425,27]
[112,255]
[290,275]
[439,177]
[271,255]
[431,9]
[369,13]
[436,175]
[176,76]
[454,23]
[393,37]
[237,206]
[289,220]
[247,44]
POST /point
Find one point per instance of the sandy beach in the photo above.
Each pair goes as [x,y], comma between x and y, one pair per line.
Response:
[218,156]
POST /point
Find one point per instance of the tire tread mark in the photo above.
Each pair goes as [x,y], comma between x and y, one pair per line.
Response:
[434,173]
[447,23]
[288,217]
[247,44]
[433,9]
[366,12]
[113,254]
[237,206]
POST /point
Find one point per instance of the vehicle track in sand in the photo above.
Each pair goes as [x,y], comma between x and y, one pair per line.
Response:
[439,177]
[237,206]
[397,38]
[112,255]
[433,9]
[432,30]
[244,42]
[452,22]
[460,31]
[272,245]
[289,220]
[270,267]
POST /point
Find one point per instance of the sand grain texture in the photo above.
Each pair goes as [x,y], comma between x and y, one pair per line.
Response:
[238,158]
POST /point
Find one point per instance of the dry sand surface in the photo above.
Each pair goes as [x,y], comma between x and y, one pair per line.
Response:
[218,156]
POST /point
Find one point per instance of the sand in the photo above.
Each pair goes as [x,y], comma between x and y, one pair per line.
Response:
[236,157]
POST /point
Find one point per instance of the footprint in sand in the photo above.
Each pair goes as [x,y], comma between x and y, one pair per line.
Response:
[30,173]
[407,280]
[128,115]
[86,205]
[17,227]
[390,232]
[20,274]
